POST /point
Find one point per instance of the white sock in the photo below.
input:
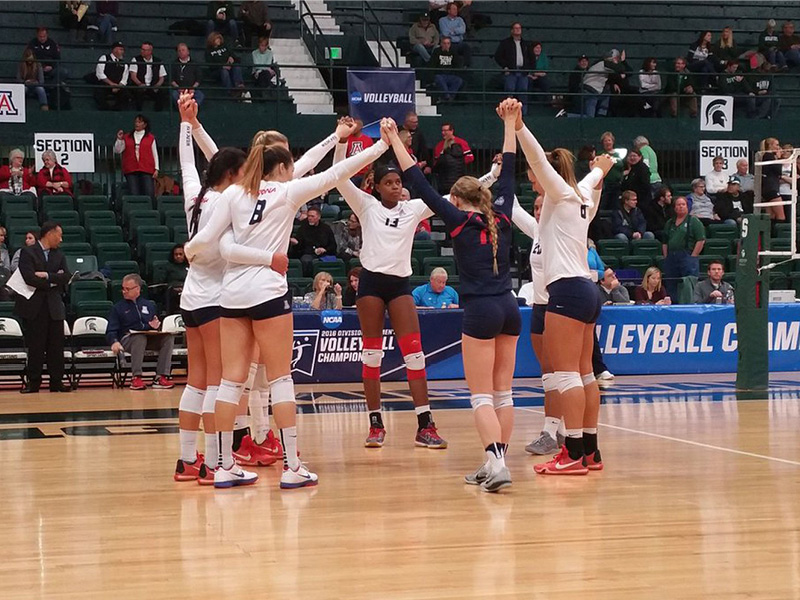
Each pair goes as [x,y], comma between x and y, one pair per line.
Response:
[212,450]
[251,376]
[551,425]
[241,422]
[259,425]
[590,430]
[289,441]
[495,457]
[188,445]
[562,429]
[225,440]
[574,433]
[422,409]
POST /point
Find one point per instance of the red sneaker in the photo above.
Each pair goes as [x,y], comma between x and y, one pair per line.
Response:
[375,437]
[430,438]
[272,446]
[594,462]
[206,475]
[162,383]
[562,464]
[250,454]
[188,471]
[137,383]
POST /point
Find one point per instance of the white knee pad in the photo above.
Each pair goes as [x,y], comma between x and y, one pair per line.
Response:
[547,383]
[210,399]
[282,390]
[251,376]
[230,392]
[192,400]
[261,382]
[415,361]
[566,380]
[588,379]
[503,399]
[478,400]
[371,358]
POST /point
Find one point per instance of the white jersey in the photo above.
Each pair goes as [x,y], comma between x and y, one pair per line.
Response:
[566,214]
[265,224]
[530,227]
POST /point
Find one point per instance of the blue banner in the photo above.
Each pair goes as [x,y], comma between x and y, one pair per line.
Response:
[377,93]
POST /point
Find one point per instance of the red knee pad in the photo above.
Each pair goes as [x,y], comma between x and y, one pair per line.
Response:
[410,344]
[371,356]
[414,357]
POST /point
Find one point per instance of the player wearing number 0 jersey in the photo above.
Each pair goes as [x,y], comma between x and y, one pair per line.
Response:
[256,303]
[573,304]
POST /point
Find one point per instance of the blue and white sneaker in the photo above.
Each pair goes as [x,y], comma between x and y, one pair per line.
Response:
[227,478]
[297,479]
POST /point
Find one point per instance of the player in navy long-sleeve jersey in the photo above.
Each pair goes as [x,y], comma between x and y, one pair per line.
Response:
[481,232]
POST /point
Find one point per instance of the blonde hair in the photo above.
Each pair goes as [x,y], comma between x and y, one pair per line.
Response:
[262,159]
[563,161]
[650,271]
[473,192]
[320,276]
[269,137]
[608,134]
[766,142]
[729,43]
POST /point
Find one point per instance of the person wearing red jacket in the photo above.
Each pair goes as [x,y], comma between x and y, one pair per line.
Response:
[53,179]
[17,179]
[139,157]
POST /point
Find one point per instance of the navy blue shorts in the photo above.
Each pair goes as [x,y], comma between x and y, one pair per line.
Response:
[266,310]
[537,318]
[385,287]
[200,316]
[486,317]
[575,297]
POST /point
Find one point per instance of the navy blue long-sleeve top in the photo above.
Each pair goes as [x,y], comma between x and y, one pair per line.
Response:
[472,244]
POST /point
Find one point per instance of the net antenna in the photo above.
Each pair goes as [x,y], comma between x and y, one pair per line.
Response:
[792,253]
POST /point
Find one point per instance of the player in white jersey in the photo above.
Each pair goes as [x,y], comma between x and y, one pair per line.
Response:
[573,303]
[256,302]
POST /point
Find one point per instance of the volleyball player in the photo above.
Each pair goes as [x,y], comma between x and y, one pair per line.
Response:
[573,304]
[481,233]
[256,302]
[771,178]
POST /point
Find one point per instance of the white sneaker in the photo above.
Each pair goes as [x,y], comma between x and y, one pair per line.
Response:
[227,478]
[297,479]
[605,376]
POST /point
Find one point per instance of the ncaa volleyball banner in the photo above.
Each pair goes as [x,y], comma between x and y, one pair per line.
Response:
[378,93]
[74,151]
[12,103]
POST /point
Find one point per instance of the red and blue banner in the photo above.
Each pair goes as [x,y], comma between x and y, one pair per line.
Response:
[377,93]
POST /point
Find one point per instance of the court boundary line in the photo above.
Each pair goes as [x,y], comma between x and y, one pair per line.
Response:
[785,461]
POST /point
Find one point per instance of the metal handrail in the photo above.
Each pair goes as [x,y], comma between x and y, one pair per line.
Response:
[365,6]
[314,31]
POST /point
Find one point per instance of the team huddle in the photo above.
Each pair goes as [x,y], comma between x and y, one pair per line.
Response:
[237,305]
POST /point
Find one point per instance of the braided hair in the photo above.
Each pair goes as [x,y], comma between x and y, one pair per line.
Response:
[473,192]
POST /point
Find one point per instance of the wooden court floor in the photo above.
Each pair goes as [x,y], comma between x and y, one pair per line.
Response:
[700,499]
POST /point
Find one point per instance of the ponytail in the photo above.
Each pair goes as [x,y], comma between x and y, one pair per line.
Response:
[225,162]
[262,160]
[563,161]
[473,192]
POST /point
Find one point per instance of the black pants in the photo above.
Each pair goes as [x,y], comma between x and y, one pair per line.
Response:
[598,366]
[107,99]
[158,95]
[45,337]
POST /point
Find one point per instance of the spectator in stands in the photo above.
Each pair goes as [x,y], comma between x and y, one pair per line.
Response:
[649,158]
[573,106]
[771,178]
[255,21]
[73,18]
[611,290]
[112,74]
[725,49]
[681,86]
[596,265]
[437,9]
[265,69]
[174,275]
[351,290]
[584,160]
[185,75]
[325,295]
[221,17]
[785,188]
[595,84]
[733,83]
[348,237]
[611,184]
[768,46]
[789,45]
[106,20]
[540,64]
[636,177]
[423,37]
[5,259]
[357,143]
[30,73]
[147,75]
[658,212]
[419,145]
[716,179]
[223,60]
[628,222]
[436,293]
[713,290]
[53,179]
[17,179]
[513,55]
[140,163]
[447,63]
[746,180]
[651,291]
[729,205]
[48,53]
[31,237]
[450,158]
[701,58]
[684,240]
[313,240]
[454,27]
[700,203]
[649,87]
[133,314]
[766,104]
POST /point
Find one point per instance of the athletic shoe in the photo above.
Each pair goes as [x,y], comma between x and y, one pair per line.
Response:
[497,481]
[562,464]
[272,446]
[594,462]
[162,383]
[375,437]
[560,439]
[188,471]
[251,454]
[206,475]
[137,383]
[429,438]
[478,477]
[227,478]
[605,379]
[297,479]
[544,444]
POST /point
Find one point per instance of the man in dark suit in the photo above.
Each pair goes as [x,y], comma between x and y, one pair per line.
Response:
[44,267]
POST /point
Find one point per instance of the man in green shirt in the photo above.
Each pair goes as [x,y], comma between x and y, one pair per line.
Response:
[642,144]
[685,237]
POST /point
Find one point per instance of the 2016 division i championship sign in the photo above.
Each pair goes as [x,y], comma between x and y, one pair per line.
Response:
[378,93]
[74,151]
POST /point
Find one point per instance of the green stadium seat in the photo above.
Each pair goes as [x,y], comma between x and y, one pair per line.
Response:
[732,262]
[15,239]
[722,230]
[57,203]
[424,249]
[99,218]
[82,264]
[295,268]
[180,234]
[173,219]
[105,234]
[706,259]
[300,285]
[142,218]
[22,220]
[10,204]
[73,233]
[155,250]
[7,309]
[640,263]
[93,308]
[64,217]
[158,271]
[166,204]
[120,268]
[336,267]
[131,203]
[329,211]
[92,203]
[611,261]
[110,251]
[447,262]
[76,248]
[645,248]
[783,230]
[151,234]
[83,291]
[613,247]
[718,246]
